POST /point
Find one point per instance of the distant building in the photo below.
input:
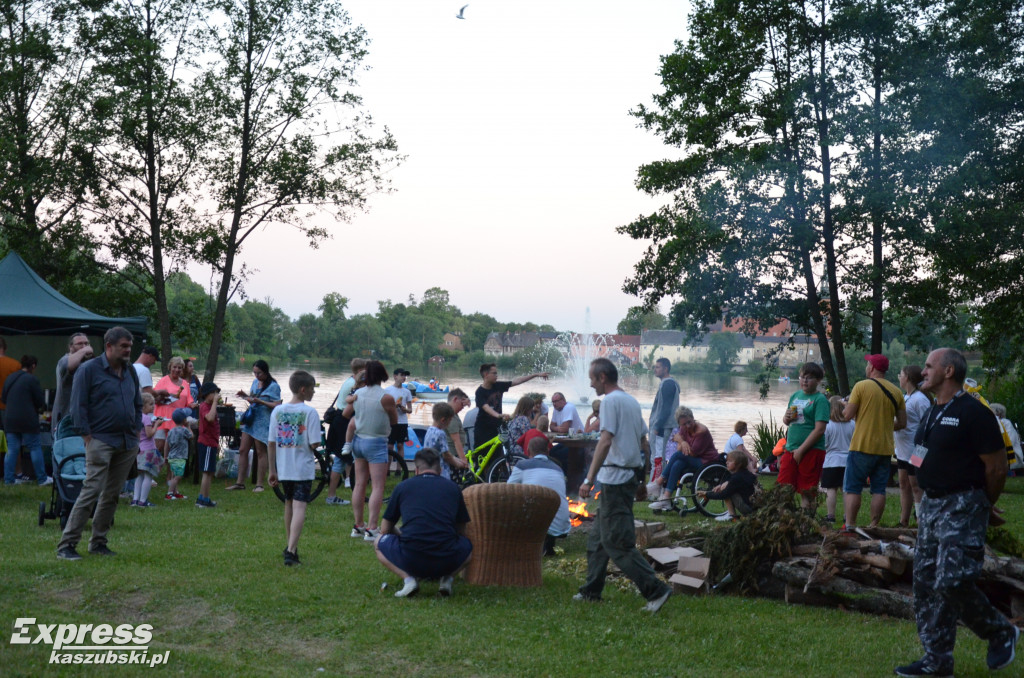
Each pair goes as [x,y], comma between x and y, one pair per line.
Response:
[676,346]
[451,342]
[509,343]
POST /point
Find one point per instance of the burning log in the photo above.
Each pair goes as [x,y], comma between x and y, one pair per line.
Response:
[578,512]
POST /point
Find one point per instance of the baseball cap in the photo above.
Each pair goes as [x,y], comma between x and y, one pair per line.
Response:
[402,370]
[180,415]
[208,388]
[153,351]
[878,361]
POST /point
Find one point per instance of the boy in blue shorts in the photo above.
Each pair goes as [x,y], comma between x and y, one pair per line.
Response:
[294,435]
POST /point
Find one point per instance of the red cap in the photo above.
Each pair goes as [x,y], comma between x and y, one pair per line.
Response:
[878,361]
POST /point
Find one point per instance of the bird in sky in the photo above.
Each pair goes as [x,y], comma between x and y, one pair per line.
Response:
[459,15]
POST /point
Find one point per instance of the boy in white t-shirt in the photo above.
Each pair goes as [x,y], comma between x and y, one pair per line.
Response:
[294,435]
[403,403]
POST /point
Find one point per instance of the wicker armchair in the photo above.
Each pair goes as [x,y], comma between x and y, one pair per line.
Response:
[507,525]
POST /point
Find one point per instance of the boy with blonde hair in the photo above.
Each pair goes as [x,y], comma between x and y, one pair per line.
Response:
[294,435]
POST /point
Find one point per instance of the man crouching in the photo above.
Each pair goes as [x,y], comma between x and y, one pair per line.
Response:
[431,542]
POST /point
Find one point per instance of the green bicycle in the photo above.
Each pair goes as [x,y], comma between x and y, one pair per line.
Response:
[491,462]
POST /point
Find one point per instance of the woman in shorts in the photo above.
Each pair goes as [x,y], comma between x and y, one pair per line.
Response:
[372,413]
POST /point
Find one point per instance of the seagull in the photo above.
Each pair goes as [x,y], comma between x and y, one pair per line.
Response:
[459,15]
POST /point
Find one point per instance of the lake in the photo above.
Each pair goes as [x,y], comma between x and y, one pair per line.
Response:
[718,401]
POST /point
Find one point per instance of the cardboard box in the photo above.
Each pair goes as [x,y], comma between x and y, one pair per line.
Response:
[668,558]
[691,573]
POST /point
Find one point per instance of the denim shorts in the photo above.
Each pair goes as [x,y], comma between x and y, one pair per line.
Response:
[339,464]
[861,466]
[373,450]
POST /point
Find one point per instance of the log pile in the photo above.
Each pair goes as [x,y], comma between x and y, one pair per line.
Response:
[780,551]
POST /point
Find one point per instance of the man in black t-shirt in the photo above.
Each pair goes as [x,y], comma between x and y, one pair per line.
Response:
[431,542]
[488,401]
[961,463]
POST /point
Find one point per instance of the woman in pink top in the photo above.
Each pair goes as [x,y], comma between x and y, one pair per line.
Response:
[688,450]
[180,396]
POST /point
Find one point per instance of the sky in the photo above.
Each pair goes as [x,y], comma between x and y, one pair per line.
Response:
[521,162]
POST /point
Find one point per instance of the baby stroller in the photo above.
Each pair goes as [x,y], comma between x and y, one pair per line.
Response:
[68,473]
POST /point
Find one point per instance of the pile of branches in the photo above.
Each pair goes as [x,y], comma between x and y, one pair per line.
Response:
[745,551]
[781,551]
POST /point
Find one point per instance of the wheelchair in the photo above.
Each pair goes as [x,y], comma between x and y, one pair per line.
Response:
[685,499]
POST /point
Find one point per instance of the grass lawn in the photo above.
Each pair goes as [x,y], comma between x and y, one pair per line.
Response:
[212,585]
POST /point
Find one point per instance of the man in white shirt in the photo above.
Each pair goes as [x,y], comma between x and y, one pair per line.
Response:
[620,466]
[403,403]
[565,418]
[149,357]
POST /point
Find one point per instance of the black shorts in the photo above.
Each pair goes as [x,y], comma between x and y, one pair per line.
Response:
[399,434]
[297,490]
[906,466]
[832,477]
[206,458]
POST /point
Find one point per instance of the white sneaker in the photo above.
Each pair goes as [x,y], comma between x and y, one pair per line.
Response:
[337,501]
[48,481]
[445,587]
[357,532]
[370,535]
[348,483]
[653,606]
[408,590]
[725,518]
[660,505]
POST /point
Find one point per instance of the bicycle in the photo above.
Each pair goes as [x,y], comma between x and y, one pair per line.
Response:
[483,462]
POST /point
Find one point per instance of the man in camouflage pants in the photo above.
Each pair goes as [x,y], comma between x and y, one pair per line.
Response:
[961,463]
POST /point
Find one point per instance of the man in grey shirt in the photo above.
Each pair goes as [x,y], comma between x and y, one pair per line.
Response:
[107,409]
[79,350]
[666,400]
[619,465]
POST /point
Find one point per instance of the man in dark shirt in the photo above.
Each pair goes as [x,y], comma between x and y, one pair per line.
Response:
[431,542]
[961,464]
[488,401]
[107,410]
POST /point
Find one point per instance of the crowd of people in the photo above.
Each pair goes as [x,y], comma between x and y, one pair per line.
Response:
[951,448]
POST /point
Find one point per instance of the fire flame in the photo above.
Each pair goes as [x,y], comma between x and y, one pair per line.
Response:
[577,511]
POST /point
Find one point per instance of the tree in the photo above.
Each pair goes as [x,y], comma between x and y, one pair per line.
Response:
[154,124]
[282,72]
[46,162]
[638,319]
[723,348]
[788,114]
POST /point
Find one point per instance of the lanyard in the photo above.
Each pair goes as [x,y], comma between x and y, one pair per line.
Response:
[932,421]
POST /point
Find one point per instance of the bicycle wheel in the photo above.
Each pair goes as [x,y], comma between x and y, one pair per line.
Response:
[708,478]
[320,480]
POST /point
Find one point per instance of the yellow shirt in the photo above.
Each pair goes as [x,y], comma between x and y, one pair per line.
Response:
[876,415]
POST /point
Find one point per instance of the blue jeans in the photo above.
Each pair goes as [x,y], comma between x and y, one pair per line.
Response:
[679,465]
[15,441]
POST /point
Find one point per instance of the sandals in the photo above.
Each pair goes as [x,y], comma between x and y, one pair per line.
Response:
[236,486]
[258,488]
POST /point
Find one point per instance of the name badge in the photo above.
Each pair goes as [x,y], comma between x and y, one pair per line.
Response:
[918,455]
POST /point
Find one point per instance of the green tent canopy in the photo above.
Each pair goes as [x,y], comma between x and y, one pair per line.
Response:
[28,305]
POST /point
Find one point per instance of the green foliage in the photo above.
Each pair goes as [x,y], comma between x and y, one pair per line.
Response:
[764,435]
[723,348]
[638,319]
